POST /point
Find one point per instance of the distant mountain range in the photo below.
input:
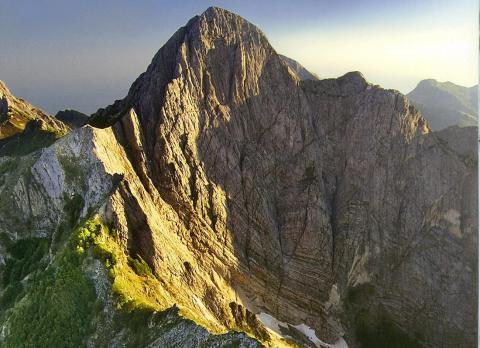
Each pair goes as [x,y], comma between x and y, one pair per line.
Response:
[446,104]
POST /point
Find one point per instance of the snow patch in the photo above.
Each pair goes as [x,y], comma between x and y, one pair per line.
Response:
[333,298]
[453,217]
[310,333]
[271,323]
[358,273]
[275,325]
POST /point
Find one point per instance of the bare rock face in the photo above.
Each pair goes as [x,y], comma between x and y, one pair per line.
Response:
[298,69]
[73,118]
[320,204]
[309,213]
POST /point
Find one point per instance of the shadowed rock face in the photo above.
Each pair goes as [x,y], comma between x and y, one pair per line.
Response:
[73,118]
[338,202]
[267,204]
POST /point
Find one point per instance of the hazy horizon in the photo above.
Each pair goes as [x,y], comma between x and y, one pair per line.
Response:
[85,55]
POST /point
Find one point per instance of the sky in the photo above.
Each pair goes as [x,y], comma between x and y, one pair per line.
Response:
[83,55]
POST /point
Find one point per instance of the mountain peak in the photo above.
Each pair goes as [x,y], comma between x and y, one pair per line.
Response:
[355,77]
[3,88]
[16,114]
[445,104]
[213,11]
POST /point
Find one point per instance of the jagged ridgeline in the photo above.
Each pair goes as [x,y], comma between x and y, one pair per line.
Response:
[226,202]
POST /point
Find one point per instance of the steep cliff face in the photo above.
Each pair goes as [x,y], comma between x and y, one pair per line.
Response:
[326,188]
[61,259]
[315,213]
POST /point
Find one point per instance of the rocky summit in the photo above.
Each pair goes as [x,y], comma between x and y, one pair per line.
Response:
[227,202]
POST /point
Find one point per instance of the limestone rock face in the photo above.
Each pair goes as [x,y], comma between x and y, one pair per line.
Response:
[298,69]
[317,213]
[316,203]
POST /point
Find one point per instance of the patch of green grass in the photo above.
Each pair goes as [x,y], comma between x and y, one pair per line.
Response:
[25,257]
[58,310]
[12,293]
[134,285]
[60,303]
[73,208]
[8,166]
[24,143]
[140,267]
[73,171]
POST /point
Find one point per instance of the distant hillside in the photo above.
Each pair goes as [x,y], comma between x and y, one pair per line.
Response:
[298,69]
[73,118]
[446,104]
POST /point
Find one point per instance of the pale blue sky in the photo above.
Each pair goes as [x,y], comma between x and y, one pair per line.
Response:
[85,54]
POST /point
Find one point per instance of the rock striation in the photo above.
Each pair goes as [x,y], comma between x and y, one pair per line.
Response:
[310,213]
[318,183]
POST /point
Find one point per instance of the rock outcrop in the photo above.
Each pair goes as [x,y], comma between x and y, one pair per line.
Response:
[298,69]
[317,213]
[23,127]
[73,118]
[16,113]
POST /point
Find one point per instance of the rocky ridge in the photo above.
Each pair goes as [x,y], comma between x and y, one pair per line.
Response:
[73,118]
[16,113]
[315,213]
[298,69]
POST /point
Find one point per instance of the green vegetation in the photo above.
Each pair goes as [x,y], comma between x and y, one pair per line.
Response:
[73,208]
[134,285]
[73,171]
[26,254]
[24,143]
[58,308]
[26,258]
[140,267]
[8,166]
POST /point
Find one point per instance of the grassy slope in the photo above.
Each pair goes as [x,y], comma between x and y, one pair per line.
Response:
[52,302]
